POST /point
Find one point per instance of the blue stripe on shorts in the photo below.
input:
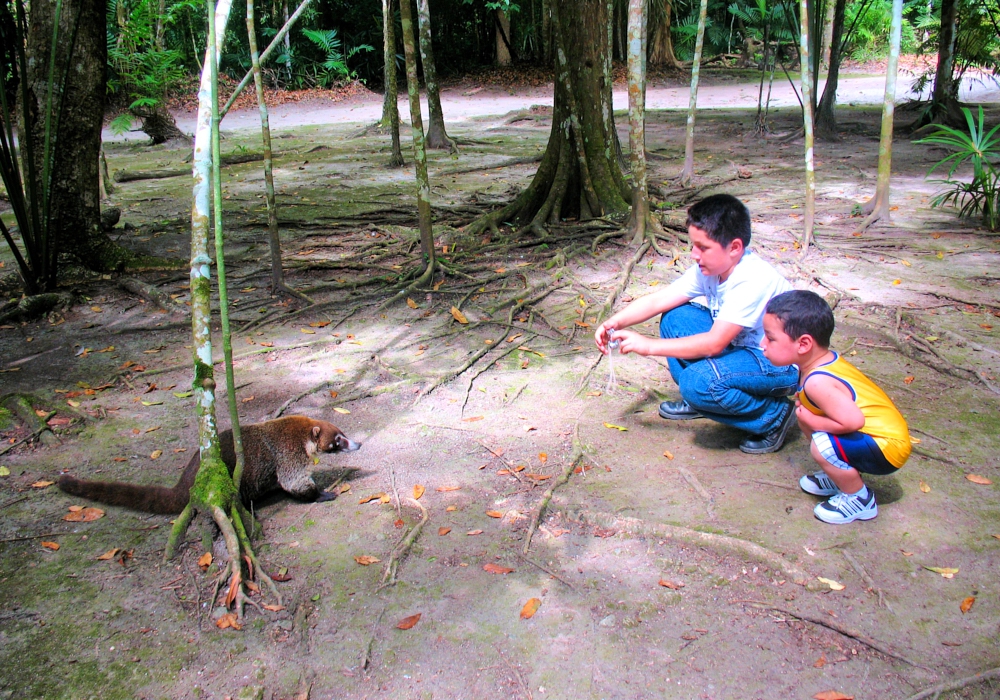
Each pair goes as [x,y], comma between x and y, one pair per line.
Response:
[854,450]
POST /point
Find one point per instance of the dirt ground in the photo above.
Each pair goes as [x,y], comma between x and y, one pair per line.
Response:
[669,564]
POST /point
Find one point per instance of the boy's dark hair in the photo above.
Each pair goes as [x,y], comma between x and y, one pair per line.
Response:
[723,217]
[803,313]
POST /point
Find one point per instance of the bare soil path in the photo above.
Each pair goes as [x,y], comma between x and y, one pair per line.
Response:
[668,564]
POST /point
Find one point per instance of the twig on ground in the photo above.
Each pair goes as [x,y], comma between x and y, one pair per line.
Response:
[12,502]
[554,575]
[400,551]
[869,581]
[693,482]
[366,657]
[774,484]
[536,517]
[878,646]
[948,686]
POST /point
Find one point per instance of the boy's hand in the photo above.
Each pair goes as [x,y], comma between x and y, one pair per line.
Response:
[601,335]
[633,342]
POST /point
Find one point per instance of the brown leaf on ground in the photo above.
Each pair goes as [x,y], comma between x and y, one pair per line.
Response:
[156,454]
[42,484]
[820,662]
[494,513]
[604,532]
[234,588]
[398,523]
[54,546]
[832,695]
[967,604]
[228,620]
[110,554]
[672,585]
[472,419]
[412,304]
[442,531]
[418,491]
[976,479]
[281,578]
[445,489]
[408,622]
[497,569]
[273,608]
[668,454]
[530,608]
[458,315]
[925,487]
[472,533]
[369,499]
[205,561]
[84,515]
[366,559]
[539,477]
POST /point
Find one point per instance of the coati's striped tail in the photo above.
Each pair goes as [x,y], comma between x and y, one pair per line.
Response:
[149,499]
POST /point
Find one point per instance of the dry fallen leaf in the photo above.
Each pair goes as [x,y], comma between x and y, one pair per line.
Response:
[205,560]
[51,545]
[908,380]
[543,457]
[832,695]
[365,560]
[967,604]
[472,419]
[408,622]
[945,571]
[228,620]
[273,608]
[418,491]
[449,509]
[925,487]
[84,515]
[42,484]
[496,569]
[156,454]
[412,304]
[445,489]
[976,479]
[539,477]
[338,409]
[474,532]
[369,499]
[442,531]
[458,315]
[615,427]
[834,585]
[110,554]
[820,662]
[494,514]
[530,608]
[593,393]
[672,585]
[668,454]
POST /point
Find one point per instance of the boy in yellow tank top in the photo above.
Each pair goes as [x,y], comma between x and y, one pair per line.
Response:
[852,424]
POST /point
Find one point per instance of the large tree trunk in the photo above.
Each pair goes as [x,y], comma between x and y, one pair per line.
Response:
[944,107]
[77,103]
[579,176]
[503,38]
[826,116]
[437,137]
[390,105]
[661,45]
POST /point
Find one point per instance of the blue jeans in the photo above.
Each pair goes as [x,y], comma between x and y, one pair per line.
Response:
[738,387]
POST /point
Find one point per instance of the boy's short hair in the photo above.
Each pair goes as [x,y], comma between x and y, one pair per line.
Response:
[723,218]
[802,312]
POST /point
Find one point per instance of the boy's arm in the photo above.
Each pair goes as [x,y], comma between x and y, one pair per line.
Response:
[642,309]
[841,414]
[692,347]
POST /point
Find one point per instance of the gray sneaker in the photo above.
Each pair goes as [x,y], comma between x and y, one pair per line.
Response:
[818,484]
[846,508]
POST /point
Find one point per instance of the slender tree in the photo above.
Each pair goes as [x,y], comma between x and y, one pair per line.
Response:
[807,123]
[826,116]
[637,116]
[944,107]
[390,103]
[687,174]
[579,175]
[417,129]
[877,207]
[437,137]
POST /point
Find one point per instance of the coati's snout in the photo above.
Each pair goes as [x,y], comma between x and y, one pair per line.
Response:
[345,444]
[329,438]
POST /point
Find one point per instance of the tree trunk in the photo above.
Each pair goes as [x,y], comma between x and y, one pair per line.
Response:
[579,175]
[417,129]
[661,52]
[944,107]
[831,11]
[807,123]
[637,14]
[546,33]
[877,207]
[159,125]
[826,116]
[687,173]
[76,95]
[437,137]
[390,105]
[502,38]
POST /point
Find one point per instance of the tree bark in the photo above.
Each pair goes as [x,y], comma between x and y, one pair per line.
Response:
[390,105]
[944,107]
[877,207]
[76,95]
[502,38]
[831,11]
[637,14]
[579,175]
[661,50]
[826,116]
[437,137]
[807,123]
[687,173]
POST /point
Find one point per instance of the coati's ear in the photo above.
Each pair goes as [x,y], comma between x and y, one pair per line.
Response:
[316,431]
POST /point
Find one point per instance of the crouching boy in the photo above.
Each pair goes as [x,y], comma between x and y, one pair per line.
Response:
[853,426]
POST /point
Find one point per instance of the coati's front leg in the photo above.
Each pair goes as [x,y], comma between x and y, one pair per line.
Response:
[300,484]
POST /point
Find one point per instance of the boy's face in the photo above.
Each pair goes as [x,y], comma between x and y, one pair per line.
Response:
[712,257]
[780,348]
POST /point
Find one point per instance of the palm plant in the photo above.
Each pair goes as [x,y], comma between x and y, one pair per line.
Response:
[981,195]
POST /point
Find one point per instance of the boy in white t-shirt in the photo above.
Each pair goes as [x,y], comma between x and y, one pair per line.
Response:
[714,349]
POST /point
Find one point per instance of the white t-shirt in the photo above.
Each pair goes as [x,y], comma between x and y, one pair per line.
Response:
[741,299]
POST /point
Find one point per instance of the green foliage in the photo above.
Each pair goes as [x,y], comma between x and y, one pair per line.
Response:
[981,195]
[333,66]
[868,22]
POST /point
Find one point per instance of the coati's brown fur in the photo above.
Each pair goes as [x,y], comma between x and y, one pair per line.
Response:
[278,454]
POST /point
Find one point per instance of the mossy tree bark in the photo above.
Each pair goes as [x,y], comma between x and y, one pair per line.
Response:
[637,17]
[807,123]
[390,103]
[877,207]
[687,173]
[70,141]
[579,175]
[826,115]
[437,137]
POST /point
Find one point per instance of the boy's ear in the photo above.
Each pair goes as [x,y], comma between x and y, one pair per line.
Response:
[805,344]
[735,246]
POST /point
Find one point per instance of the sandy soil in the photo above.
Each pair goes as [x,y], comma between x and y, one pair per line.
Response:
[668,565]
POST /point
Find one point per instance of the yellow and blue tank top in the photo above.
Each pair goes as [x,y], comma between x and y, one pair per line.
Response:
[883,421]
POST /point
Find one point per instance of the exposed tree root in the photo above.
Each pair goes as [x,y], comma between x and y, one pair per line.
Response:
[693,482]
[150,294]
[400,551]
[829,623]
[510,162]
[426,276]
[949,686]
[536,516]
[605,309]
[702,539]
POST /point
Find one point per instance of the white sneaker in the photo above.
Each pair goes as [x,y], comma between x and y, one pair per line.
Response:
[818,484]
[846,508]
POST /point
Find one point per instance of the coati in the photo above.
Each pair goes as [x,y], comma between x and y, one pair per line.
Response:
[277,453]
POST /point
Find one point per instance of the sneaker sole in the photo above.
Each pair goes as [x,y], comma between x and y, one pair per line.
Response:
[859,516]
[808,486]
[679,416]
[777,446]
